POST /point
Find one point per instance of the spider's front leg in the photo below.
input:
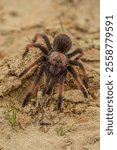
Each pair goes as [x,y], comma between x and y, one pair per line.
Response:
[40,46]
[77,51]
[78,81]
[34,85]
[44,37]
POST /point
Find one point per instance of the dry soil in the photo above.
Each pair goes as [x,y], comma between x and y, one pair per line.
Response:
[77,126]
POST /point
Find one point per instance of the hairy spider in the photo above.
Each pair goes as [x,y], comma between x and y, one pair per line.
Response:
[55,64]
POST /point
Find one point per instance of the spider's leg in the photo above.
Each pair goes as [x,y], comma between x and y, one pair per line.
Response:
[40,46]
[77,63]
[77,51]
[60,92]
[31,65]
[33,87]
[44,37]
[61,89]
[54,80]
[49,87]
[78,81]
[60,81]
[46,84]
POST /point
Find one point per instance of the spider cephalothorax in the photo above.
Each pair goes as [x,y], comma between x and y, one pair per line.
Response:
[55,64]
[57,61]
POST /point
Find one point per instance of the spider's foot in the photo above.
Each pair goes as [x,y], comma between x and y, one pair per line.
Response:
[85,92]
[26,99]
[49,90]
[25,102]
[59,104]
[25,53]
[22,73]
[85,81]
[59,110]
[44,92]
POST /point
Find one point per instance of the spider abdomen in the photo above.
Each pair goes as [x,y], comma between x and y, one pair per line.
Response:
[62,43]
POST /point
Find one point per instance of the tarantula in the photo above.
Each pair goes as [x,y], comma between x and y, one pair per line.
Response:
[55,63]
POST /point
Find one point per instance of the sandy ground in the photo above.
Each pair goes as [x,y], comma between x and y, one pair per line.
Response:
[77,126]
